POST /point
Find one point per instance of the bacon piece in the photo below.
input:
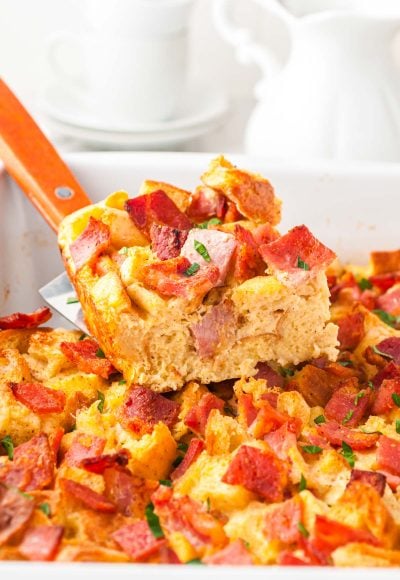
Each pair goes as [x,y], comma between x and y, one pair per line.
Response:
[368,299]
[168,278]
[144,408]
[318,440]
[166,242]
[336,434]
[137,540]
[281,441]
[127,492]
[205,204]
[38,398]
[264,234]
[32,467]
[282,523]
[348,405]
[347,281]
[220,247]
[351,330]
[391,347]
[282,255]
[41,543]
[215,330]
[197,417]
[317,385]
[87,496]
[15,512]
[102,462]
[248,261]
[93,241]
[259,471]
[84,446]
[330,534]
[235,554]
[390,302]
[386,262]
[388,455]
[385,281]
[247,412]
[287,558]
[269,419]
[156,208]
[55,440]
[373,478]
[84,355]
[390,371]
[274,379]
[384,397]
[196,446]
[393,481]
[20,320]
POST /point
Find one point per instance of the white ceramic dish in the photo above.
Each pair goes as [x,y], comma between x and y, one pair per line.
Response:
[351,208]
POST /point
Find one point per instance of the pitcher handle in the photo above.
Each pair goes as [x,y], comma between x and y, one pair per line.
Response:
[248,51]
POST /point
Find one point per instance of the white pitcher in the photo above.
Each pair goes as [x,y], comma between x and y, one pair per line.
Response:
[338,95]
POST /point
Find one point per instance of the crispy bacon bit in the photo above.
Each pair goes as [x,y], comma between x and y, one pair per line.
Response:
[336,434]
[391,347]
[196,446]
[386,262]
[384,397]
[269,419]
[215,330]
[205,204]
[219,246]
[388,455]
[138,541]
[351,330]
[247,412]
[144,408]
[100,463]
[264,234]
[126,491]
[317,385]
[38,398]
[330,534]
[385,281]
[281,441]
[156,208]
[373,478]
[197,417]
[259,471]
[87,496]
[393,481]
[93,241]
[167,242]
[15,512]
[298,254]
[390,371]
[282,523]
[287,558]
[274,379]
[32,467]
[390,302]
[84,355]
[235,554]
[84,446]
[248,261]
[348,405]
[20,320]
[41,543]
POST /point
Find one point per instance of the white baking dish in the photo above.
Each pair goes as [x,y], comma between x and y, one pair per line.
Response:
[353,209]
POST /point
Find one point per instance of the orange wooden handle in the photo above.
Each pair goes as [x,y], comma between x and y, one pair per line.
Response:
[34,163]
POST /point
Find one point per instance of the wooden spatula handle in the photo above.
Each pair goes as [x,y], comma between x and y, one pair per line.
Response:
[34,163]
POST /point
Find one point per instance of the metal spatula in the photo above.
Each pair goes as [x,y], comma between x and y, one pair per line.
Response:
[43,176]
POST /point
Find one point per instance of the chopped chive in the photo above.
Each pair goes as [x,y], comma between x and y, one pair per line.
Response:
[177,461]
[208,503]
[348,454]
[45,508]
[320,419]
[229,411]
[348,417]
[371,385]
[72,300]
[396,399]
[23,493]
[384,354]
[122,382]
[196,562]
[195,267]
[364,284]
[100,398]
[100,353]
[8,445]
[302,265]
[359,396]
[82,336]
[166,482]
[183,446]
[211,222]
[302,529]
[303,483]
[153,521]
[202,250]
[345,363]
[312,449]
[398,426]
[387,318]
[286,372]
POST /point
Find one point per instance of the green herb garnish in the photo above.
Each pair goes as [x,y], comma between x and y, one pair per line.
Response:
[195,561]
[398,426]
[166,482]
[303,483]
[208,503]
[211,222]
[345,363]
[82,336]
[348,417]
[45,508]
[8,445]
[302,529]
[371,385]
[177,461]
[396,399]
[195,267]
[302,265]
[364,284]
[100,398]
[122,382]
[359,396]
[72,300]
[320,419]
[183,446]
[312,449]
[286,372]
[153,521]
[387,318]
[100,353]
[348,454]
[202,250]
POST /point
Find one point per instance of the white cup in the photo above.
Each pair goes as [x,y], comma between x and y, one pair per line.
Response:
[132,57]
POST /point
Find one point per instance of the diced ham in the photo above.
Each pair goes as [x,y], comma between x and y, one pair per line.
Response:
[84,355]
[269,419]
[259,471]
[156,208]
[15,512]
[373,478]
[41,543]
[247,412]
[32,467]
[197,417]
[93,241]
[388,455]
[87,496]
[390,371]
[144,408]
[393,481]
[351,330]
[196,446]
[385,281]
[337,434]
[20,320]
[349,404]
[390,302]
[167,242]
[248,261]
[84,446]
[137,540]
[38,398]
[298,246]
[330,534]
[235,554]
[215,330]
[391,347]
[219,246]
[282,523]
[384,396]
[102,462]
[281,441]
[274,379]
[206,203]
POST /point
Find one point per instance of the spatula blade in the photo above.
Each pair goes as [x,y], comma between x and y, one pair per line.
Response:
[59,295]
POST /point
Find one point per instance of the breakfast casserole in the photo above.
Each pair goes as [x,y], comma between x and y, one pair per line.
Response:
[237,402]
